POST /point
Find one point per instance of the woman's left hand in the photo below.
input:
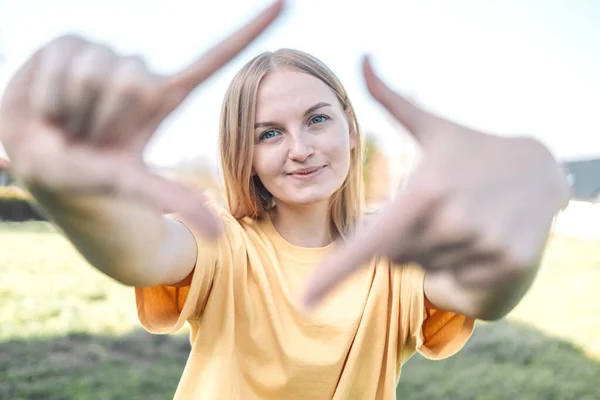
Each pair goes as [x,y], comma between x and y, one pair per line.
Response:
[479,207]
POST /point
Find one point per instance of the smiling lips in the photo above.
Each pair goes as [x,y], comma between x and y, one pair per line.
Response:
[306,172]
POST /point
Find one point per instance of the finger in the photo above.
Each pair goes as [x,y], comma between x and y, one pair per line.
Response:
[173,197]
[122,175]
[336,268]
[451,235]
[178,87]
[393,234]
[86,77]
[444,256]
[48,90]
[416,120]
[125,102]
[483,272]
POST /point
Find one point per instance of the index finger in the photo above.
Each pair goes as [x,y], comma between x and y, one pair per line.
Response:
[414,118]
[173,197]
[176,197]
[179,86]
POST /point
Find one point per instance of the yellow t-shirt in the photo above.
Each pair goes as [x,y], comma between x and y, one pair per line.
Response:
[251,341]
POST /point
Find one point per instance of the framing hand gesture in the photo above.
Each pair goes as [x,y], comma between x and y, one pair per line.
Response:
[76,118]
[478,206]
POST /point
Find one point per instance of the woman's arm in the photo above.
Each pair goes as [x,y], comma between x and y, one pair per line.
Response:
[75,120]
[131,242]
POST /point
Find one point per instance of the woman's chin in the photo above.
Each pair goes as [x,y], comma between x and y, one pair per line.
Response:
[308,199]
[305,196]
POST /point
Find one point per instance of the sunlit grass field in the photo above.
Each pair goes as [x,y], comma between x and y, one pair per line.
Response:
[68,332]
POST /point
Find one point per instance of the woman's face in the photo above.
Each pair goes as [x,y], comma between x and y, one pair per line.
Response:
[302,139]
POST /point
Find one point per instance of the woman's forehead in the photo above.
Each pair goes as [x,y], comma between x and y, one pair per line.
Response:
[290,90]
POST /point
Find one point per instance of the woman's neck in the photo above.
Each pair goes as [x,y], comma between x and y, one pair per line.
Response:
[305,226]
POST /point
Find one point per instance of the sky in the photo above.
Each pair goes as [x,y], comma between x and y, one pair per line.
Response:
[509,67]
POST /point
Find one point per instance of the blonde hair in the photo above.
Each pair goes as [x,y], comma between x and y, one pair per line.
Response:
[246,196]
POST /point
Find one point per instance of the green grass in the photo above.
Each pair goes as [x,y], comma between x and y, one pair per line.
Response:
[68,332]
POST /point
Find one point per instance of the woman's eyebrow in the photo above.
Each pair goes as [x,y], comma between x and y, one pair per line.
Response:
[264,124]
[316,107]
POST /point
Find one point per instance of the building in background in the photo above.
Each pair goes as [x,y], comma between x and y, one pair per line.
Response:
[581,218]
[584,178]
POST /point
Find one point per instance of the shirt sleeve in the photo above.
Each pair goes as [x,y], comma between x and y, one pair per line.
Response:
[435,334]
[165,309]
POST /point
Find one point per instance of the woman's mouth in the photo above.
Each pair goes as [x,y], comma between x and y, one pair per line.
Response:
[305,173]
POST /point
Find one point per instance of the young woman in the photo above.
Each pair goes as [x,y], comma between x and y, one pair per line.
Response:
[75,120]
[291,157]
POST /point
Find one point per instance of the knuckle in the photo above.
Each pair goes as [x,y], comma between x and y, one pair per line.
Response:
[57,48]
[90,67]
[96,56]
[84,78]
[68,39]
[455,217]
[129,89]
[456,225]
[130,78]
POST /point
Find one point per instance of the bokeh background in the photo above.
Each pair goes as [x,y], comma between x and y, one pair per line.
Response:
[509,67]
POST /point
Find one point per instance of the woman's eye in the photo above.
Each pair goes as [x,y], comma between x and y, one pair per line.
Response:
[318,119]
[271,133]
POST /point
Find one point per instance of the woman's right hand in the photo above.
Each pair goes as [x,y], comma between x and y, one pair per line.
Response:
[76,117]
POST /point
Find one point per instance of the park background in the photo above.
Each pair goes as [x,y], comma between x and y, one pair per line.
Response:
[510,67]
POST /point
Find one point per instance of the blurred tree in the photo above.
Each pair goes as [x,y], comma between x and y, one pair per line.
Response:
[376,172]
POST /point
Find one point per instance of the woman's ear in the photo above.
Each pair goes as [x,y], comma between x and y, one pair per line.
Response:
[352,139]
[351,127]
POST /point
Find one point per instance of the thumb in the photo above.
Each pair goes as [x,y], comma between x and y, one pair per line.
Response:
[338,267]
[391,235]
[174,197]
[121,174]
[416,120]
